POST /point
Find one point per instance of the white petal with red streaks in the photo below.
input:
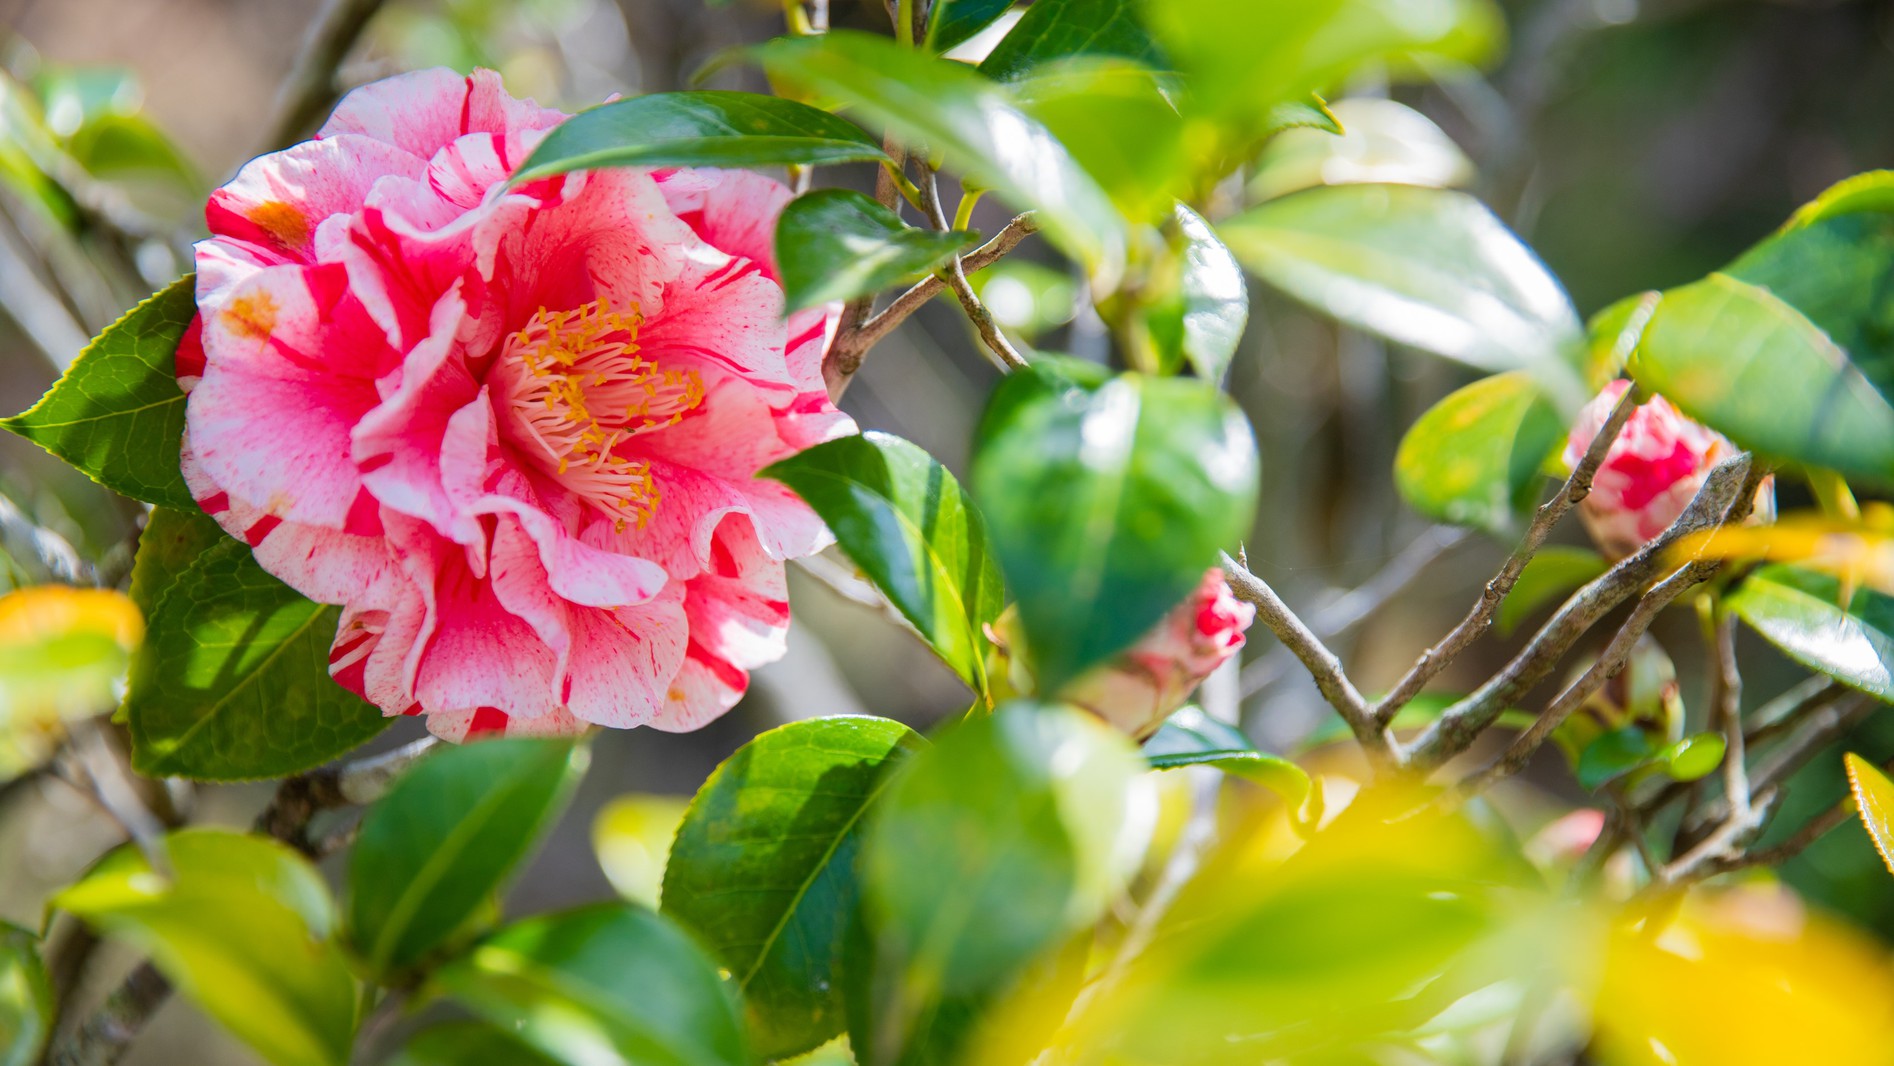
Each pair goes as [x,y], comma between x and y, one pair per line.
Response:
[424,110]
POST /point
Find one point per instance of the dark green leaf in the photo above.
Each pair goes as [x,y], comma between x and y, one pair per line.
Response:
[1803,613]
[171,541]
[1242,57]
[1553,572]
[1834,262]
[468,1044]
[1051,30]
[1192,738]
[241,925]
[1107,504]
[996,842]
[1614,755]
[836,244]
[953,22]
[233,679]
[716,129]
[1475,458]
[969,122]
[763,867]
[444,839]
[912,529]
[26,999]
[1430,268]
[118,414]
[1737,358]
[1379,141]
[608,983]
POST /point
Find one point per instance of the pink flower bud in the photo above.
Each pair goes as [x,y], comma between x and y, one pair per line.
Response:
[1650,474]
[1143,684]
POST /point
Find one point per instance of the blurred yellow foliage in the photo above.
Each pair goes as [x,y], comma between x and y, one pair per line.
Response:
[63,652]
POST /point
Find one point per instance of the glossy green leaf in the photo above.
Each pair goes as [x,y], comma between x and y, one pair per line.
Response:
[26,998]
[1613,755]
[241,925]
[1089,103]
[1052,30]
[173,539]
[233,679]
[1311,112]
[441,843]
[608,983]
[118,414]
[1554,571]
[632,838]
[1010,832]
[969,122]
[1693,757]
[1834,262]
[1429,268]
[709,128]
[1803,613]
[836,244]
[953,22]
[1212,305]
[763,867]
[1241,57]
[1612,334]
[1737,358]
[1874,797]
[1192,738]
[1107,504]
[910,527]
[468,1044]
[1475,458]
[1376,141]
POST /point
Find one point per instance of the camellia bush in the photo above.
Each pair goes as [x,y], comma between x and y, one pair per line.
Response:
[511,421]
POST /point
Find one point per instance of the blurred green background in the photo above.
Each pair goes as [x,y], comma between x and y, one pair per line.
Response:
[1634,143]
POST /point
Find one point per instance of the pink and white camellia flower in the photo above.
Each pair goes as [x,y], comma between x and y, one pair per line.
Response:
[512,431]
[1651,472]
[1140,686]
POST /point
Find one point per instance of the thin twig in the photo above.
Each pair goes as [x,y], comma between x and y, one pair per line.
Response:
[1457,727]
[1608,666]
[1821,729]
[1480,618]
[1322,664]
[309,89]
[996,342]
[1726,710]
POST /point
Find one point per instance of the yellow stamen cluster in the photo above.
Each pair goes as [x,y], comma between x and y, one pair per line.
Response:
[579,390]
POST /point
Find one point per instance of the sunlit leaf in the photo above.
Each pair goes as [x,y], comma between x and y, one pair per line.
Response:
[118,414]
[969,122]
[1430,268]
[764,867]
[1380,141]
[1088,104]
[1744,979]
[26,998]
[437,847]
[836,244]
[1204,321]
[953,22]
[1554,571]
[1806,615]
[1476,457]
[1857,551]
[632,838]
[1106,504]
[911,528]
[233,682]
[1192,738]
[1738,358]
[709,128]
[63,654]
[1874,798]
[608,983]
[240,924]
